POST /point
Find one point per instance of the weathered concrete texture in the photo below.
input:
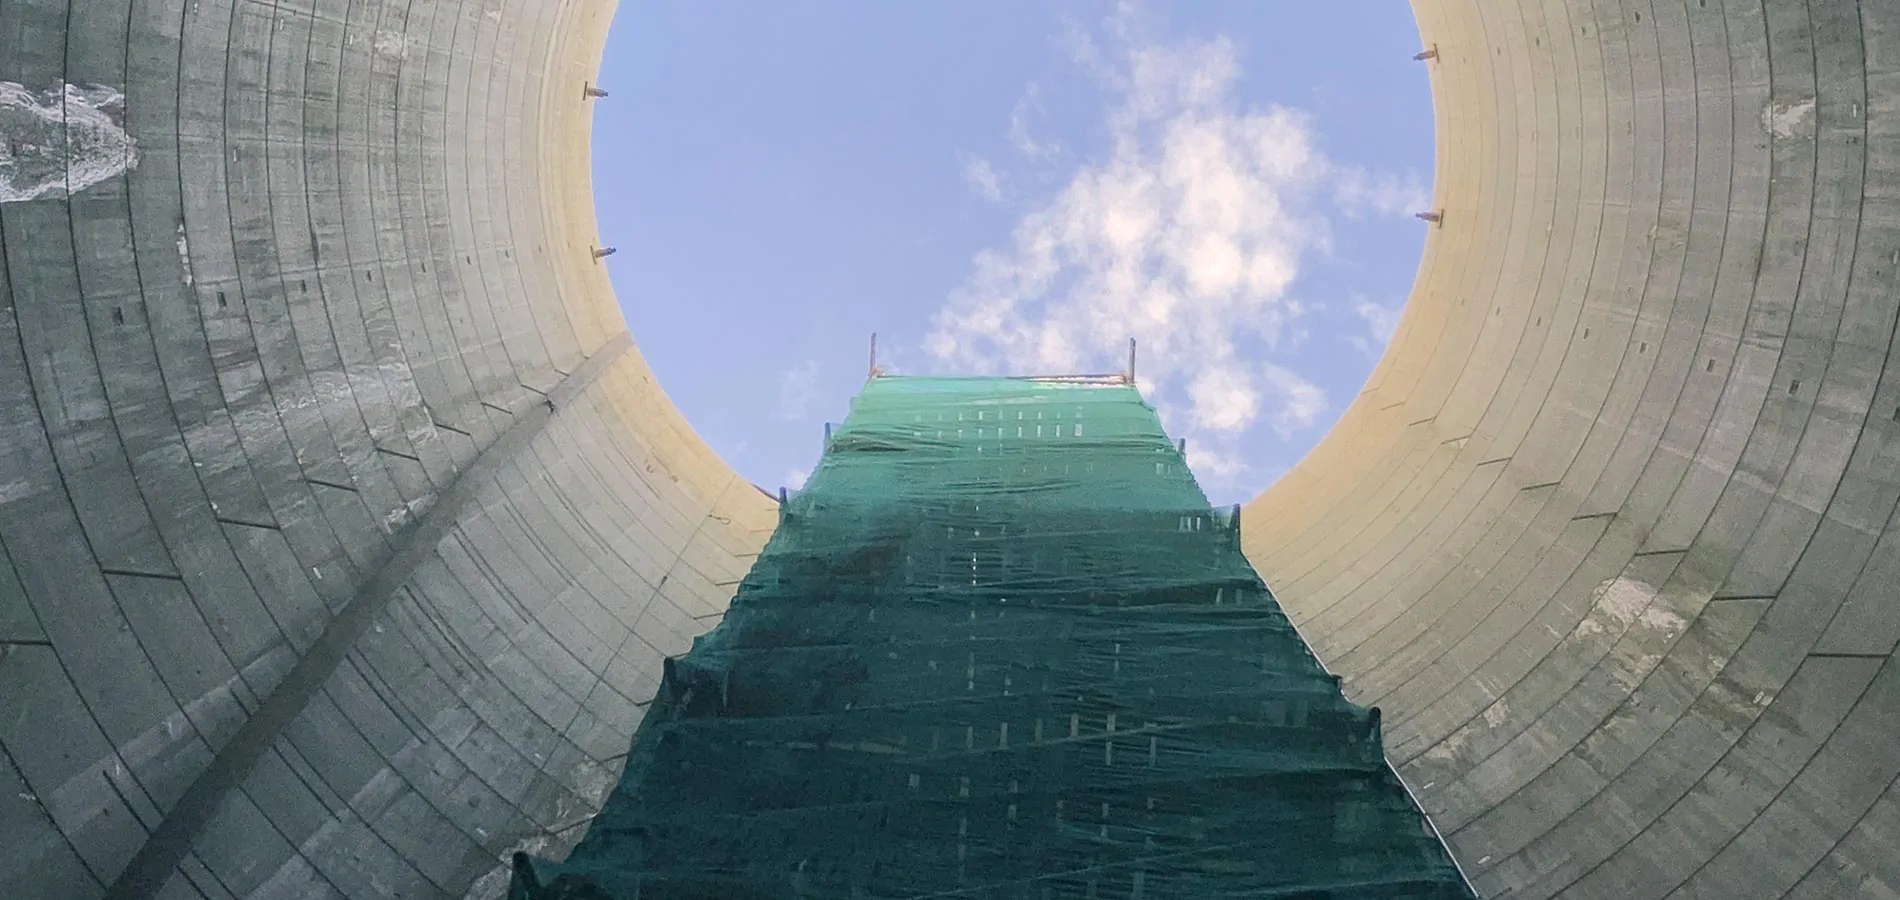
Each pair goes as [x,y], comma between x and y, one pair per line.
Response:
[1610,534]
[353,251]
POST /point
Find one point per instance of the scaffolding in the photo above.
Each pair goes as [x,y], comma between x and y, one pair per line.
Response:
[1002,647]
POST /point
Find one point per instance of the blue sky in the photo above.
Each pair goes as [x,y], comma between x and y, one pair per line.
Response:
[1014,188]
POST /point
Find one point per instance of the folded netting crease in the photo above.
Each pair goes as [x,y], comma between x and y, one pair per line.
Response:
[1000,646]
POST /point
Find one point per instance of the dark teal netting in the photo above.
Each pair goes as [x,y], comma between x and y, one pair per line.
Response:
[1000,647]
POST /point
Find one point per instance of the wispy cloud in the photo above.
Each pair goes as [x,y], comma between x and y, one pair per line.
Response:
[1186,236]
[1224,398]
[1187,232]
[1298,402]
[797,388]
[983,178]
[795,478]
[1381,321]
[1022,127]
[1359,192]
[1218,463]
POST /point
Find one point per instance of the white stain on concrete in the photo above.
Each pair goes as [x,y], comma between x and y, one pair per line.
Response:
[184,254]
[1663,620]
[1619,602]
[492,886]
[1496,715]
[393,44]
[1790,119]
[58,142]
[402,515]
[19,488]
[1625,598]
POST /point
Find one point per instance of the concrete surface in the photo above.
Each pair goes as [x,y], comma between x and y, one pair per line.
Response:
[354,250]
[1610,535]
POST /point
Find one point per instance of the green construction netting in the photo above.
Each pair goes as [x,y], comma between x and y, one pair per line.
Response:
[1001,647]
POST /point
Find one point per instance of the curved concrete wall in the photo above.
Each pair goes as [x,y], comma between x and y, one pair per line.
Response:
[342,533]
[330,300]
[1610,534]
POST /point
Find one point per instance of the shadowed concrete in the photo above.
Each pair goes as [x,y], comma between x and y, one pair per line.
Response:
[354,252]
[1610,534]
[341,538]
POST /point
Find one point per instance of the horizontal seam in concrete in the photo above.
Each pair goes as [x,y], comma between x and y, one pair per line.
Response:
[133,573]
[245,524]
[168,844]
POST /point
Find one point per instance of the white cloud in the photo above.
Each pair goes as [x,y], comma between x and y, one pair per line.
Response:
[797,388]
[1226,469]
[1300,401]
[1224,399]
[1359,192]
[1216,463]
[1021,129]
[983,178]
[1187,232]
[795,478]
[1381,321]
[1187,236]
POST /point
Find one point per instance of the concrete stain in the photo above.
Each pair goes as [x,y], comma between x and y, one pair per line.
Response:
[58,142]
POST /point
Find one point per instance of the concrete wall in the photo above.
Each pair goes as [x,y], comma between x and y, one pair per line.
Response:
[341,533]
[352,254]
[1610,534]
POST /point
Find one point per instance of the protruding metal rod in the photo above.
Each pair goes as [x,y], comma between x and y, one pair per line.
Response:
[593,93]
[1183,446]
[1131,360]
[1430,53]
[827,434]
[872,371]
[1436,217]
[604,252]
[1236,523]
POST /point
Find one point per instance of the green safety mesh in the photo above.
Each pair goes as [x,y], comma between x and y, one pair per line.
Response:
[1001,647]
